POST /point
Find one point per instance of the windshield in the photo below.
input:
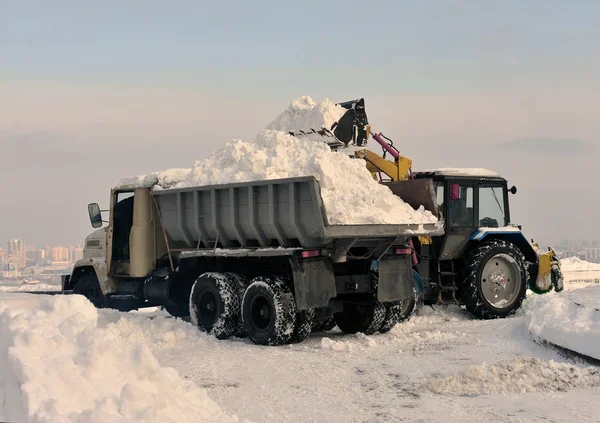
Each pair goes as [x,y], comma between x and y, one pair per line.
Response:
[491,207]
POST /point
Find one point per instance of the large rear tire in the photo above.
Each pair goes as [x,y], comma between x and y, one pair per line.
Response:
[495,282]
[364,318]
[269,311]
[303,326]
[215,305]
[89,286]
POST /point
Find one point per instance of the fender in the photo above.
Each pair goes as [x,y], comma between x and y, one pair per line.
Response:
[98,266]
[508,233]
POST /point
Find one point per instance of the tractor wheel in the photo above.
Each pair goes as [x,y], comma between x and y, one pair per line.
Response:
[215,305]
[495,281]
[89,287]
[269,311]
[362,318]
[303,326]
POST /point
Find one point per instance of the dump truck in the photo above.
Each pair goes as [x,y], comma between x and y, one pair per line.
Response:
[255,259]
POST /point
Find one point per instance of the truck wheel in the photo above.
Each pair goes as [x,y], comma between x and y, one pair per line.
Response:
[268,311]
[328,325]
[215,305]
[179,310]
[89,287]
[360,318]
[495,282]
[241,283]
[392,316]
[303,326]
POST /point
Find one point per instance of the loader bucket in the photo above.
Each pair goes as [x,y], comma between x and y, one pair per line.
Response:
[417,193]
[352,127]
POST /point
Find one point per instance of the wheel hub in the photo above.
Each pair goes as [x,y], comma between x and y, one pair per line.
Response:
[500,280]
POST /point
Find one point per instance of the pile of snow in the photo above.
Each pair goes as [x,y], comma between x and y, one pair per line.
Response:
[520,375]
[575,264]
[304,114]
[569,319]
[57,365]
[350,194]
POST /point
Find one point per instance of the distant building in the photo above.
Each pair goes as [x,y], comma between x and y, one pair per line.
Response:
[59,254]
[592,254]
[75,253]
[17,254]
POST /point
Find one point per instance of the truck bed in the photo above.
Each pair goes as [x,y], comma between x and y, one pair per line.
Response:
[280,213]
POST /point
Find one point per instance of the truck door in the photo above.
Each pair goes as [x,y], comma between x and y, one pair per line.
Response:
[122,222]
[460,220]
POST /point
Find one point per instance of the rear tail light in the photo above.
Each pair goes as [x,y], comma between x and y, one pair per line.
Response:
[311,253]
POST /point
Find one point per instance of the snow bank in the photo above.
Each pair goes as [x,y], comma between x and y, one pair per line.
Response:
[57,365]
[349,192]
[568,319]
[575,264]
[520,375]
[304,114]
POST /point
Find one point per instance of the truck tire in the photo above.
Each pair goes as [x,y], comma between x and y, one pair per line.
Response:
[326,326]
[303,326]
[268,311]
[362,318]
[88,286]
[215,305]
[392,316]
[241,283]
[495,281]
[179,310]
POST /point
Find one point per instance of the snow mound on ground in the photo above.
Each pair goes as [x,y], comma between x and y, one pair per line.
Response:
[349,192]
[569,319]
[575,264]
[304,114]
[520,375]
[57,365]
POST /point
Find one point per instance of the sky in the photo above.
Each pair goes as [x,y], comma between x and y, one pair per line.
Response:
[92,92]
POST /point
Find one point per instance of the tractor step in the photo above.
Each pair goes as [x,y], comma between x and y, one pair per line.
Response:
[448,273]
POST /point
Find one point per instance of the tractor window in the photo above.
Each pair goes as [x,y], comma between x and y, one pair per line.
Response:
[491,207]
[461,205]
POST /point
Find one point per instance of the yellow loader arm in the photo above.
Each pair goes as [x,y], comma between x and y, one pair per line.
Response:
[398,170]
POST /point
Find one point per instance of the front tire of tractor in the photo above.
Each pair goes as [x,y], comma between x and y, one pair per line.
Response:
[89,287]
[495,282]
[269,312]
[215,305]
[362,318]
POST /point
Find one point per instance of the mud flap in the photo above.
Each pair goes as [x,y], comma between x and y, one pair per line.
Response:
[395,279]
[314,283]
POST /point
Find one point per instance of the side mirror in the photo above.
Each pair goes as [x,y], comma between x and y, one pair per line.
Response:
[513,190]
[95,215]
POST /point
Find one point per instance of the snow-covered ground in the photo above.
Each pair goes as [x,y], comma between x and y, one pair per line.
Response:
[440,366]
